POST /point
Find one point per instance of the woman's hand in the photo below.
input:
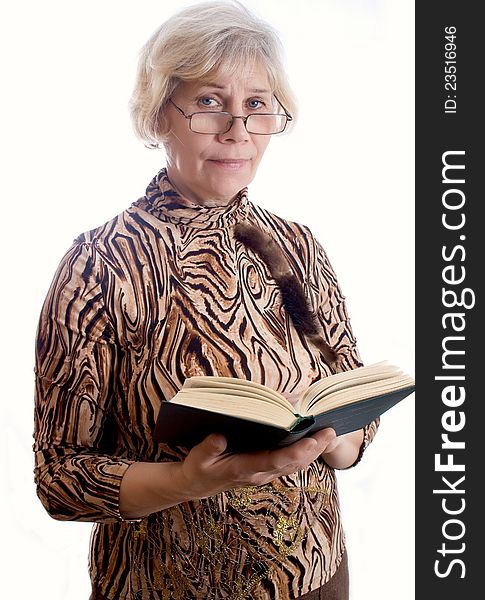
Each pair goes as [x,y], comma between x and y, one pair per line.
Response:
[344,450]
[150,487]
[207,470]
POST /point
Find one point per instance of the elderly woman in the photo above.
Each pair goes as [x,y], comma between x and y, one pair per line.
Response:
[194,279]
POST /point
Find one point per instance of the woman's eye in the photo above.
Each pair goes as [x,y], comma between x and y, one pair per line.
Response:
[209,102]
[254,104]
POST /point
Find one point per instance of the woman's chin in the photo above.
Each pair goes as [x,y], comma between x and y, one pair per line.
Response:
[228,185]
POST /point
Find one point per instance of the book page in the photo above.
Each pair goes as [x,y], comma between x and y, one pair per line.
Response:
[346,379]
[324,392]
[240,404]
[347,395]
[233,385]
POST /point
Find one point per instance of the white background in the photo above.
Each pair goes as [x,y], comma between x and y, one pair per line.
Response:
[70,162]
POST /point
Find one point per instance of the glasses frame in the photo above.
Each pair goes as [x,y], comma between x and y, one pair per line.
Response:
[232,117]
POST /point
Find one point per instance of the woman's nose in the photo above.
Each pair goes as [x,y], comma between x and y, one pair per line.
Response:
[237,132]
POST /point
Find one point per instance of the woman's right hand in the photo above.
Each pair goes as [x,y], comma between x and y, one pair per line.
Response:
[208,470]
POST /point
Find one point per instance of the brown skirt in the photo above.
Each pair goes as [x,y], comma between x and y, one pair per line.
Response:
[335,589]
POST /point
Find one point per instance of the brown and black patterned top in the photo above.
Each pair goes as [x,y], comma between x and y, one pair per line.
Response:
[158,294]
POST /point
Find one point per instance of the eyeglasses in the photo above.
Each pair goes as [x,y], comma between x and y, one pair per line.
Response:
[218,122]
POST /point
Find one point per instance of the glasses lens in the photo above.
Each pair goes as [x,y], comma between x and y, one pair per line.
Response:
[215,123]
[266,124]
[210,122]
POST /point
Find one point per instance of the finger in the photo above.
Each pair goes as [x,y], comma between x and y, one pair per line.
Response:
[211,447]
[308,449]
[296,456]
[324,437]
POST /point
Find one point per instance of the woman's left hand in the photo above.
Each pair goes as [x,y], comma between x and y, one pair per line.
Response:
[343,451]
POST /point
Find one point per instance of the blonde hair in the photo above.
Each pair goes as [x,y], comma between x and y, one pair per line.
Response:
[216,35]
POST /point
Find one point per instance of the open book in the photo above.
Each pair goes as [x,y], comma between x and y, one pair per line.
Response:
[253,416]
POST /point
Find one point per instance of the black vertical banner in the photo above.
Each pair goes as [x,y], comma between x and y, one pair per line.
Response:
[450,432]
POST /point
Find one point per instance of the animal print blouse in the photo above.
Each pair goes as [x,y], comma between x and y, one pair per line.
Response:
[158,294]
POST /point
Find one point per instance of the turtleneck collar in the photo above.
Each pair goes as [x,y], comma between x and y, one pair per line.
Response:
[165,203]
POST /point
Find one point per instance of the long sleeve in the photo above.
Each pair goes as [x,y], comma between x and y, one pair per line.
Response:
[332,314]
[76,472]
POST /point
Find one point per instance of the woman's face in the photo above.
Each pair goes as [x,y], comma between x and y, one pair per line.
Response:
[211,169]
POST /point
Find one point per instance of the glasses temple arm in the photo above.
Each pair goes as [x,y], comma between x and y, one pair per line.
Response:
[288,115]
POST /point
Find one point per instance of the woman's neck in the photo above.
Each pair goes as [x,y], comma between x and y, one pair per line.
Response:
[187,193]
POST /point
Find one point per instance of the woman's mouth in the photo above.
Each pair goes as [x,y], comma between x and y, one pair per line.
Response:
[231,164]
